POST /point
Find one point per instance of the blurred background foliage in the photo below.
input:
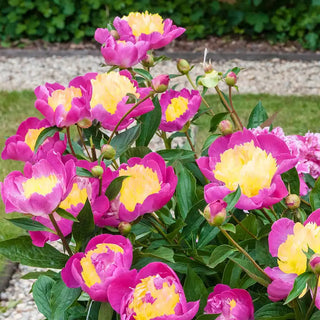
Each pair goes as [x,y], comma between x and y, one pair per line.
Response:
[74,20]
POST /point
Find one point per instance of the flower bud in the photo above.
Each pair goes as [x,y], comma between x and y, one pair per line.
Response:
[148,61]
[215,212]
[292,201]
[315,263]
[183,66]
[160,83]
[231,79]
[108,151]
[124,228]
[115,34]
[207,67]
[97,171]
[225,127]
[84,123]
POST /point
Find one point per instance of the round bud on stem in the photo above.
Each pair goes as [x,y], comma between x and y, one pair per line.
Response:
[115,34]
[160,83]
[97,171]
[315,263]
[293,201]
[215,212]
[225,127]
[124,228]
[183,66]
[148,61]
[231,79]
[84,123]
[207,68]
[108,152]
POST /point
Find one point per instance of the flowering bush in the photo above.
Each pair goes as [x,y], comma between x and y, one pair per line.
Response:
[228,230]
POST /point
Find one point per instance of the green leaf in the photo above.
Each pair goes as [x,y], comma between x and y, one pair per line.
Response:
[208,316]
[150,123]
[105,311]
[300,284]
[23,251]
[216,119]
[162,253]
[139,152]
[29,224]
[82,172]
[291,179]
[220,254]
[36,275]
[208,143]
[44,134]
[143,73]
[274,311]
[185,190]
[232,198]
[316,315]
[83,230]
[125,139]
[66,215]
[115,187]
[176,154]
[315,196]
[229,227]
[257,116]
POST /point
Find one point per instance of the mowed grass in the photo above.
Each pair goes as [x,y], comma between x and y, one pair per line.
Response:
[296,115]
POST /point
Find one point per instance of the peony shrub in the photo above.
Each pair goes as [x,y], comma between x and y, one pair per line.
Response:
[137,221]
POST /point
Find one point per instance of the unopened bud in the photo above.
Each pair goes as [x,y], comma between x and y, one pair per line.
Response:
[148,61]
[183,66]
[225,127]
[84,123]
[108,152]
[124,228]
[231,79]
[293,201]
[207,67]
[160,83]
[315,263]
[97,171]
[115,34]
[215,212]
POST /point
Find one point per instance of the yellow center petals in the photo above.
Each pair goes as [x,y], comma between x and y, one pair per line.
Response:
[176,108]
[246,166]
[75,197]
[42,185]
[149,302]
[232,304]
[89,273]
[144,23]
[108,89]
[64,97]
[140,183]
[291,253]
[31,137]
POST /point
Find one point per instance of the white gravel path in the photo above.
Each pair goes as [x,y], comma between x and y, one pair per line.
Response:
[273,76]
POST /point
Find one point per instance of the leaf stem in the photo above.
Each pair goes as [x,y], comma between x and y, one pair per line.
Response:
[166,141]
[265,213]
[190,143]
[233,110]
[69,141]
[83,143]
[244,228]
[309,312]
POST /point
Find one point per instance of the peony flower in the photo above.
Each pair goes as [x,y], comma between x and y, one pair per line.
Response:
[178,107]
[155,292]
[62,106]
[289,242]
[109,98]
[148,187]
[147,27]
[21,146]
[233,304]
[73,203]
[124,54]
[106,257]
[41,188]
[253,163]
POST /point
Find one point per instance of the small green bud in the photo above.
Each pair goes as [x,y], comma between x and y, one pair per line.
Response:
[148,61]
[108,151]
[84,123]
[225,127]
[97,171]
[183,66]
[124,228]
[293,201]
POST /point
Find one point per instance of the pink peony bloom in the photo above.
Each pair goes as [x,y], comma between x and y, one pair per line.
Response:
[155,292]
[178,107]
[289,242]
[41,188]
[253,163]
[109,98]
[62,106]
[233,304]
[21,146]
[106,257]
[124,54]
[147,27]
[148,187]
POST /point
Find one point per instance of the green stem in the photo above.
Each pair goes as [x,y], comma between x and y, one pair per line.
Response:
[191,145]
[60,234]
[296,309]
[305,202]
[125,115]
[244,252]
[266,215]
[166,141]
[309,312]
[83,143]
[69,141]
[244,228]
[273,212]
[233,110]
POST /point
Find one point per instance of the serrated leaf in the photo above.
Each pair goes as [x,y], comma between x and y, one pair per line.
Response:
[216,119]
[220,254]
[23,251]
[66,215]
[82,172]
[257,116]
[44,134]
[29,224]
[115,187]
[315,196]
[232,198]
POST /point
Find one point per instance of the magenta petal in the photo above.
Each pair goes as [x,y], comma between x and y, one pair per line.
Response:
[314,218]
